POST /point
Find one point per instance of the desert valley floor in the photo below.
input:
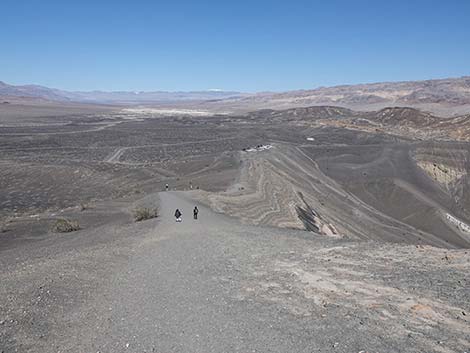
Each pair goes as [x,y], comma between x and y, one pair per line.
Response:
[321,230]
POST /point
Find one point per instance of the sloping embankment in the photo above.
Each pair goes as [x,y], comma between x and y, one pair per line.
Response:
[284,187]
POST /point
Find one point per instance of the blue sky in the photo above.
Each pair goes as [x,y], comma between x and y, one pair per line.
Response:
[231,45]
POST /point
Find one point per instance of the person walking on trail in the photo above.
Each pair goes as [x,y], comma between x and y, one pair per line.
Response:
[195,212]
[178,215]
[166,187]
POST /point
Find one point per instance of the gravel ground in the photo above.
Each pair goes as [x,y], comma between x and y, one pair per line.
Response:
[215,285]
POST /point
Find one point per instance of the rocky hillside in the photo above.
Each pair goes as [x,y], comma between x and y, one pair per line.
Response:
[444,97]
[303,113]
[421,124]
[403,121]
[452,91]
[403,117]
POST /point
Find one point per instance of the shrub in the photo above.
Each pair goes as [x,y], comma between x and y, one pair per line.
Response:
[143,213]
[4,225]
[65,226]
[84,206]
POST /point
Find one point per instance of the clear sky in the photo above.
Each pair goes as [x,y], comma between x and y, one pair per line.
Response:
[244,45]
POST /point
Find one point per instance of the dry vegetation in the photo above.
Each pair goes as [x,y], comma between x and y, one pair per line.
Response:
[143,213]
[4,225]
[65,226]
[84,206]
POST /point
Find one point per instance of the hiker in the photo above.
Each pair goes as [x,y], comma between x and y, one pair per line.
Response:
[195,212]
[166,187]
[178,215]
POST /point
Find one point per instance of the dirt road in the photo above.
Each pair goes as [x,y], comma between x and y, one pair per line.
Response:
[215,285]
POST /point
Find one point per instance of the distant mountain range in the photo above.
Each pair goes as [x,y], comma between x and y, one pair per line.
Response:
[443,96]
[117,97]
[452,90]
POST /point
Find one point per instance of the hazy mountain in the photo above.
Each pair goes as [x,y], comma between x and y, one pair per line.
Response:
[442,97]
[31,91]
[118,97]
[125,97]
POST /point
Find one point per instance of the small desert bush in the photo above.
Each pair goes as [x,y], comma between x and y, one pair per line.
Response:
[4,223]
[84,206]
[65,226]
[143,213]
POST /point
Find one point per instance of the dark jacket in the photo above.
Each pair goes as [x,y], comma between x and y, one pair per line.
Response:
[177,213]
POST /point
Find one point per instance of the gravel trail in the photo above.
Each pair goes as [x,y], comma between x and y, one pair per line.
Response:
[215,285]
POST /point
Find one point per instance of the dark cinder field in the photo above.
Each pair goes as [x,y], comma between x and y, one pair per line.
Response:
[53,163]
[310,237]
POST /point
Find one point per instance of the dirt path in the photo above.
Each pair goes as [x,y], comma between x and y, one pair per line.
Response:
[116,155]
[99,128]
[215,285]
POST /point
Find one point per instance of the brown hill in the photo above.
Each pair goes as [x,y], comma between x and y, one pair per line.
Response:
[403,117]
